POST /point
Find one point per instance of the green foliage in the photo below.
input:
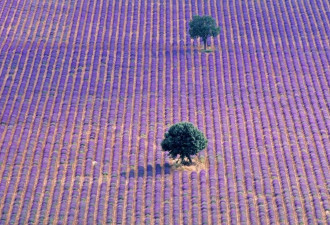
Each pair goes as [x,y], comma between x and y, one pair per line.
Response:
[203,27]
[185,140]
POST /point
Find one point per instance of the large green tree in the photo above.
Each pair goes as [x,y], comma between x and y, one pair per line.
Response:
[185,140]
[203,27]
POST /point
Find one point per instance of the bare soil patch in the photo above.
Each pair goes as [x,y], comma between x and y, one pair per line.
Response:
[197,165]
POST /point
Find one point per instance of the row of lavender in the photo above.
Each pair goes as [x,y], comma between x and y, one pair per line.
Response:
[45,152]
[18,171]
[99,94]
[321,147]
[38,152]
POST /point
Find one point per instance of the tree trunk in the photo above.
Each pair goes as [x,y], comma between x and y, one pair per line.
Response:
[182,160]
[190,161]
[204,44]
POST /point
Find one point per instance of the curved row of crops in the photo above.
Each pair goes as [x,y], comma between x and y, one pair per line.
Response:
[88,89]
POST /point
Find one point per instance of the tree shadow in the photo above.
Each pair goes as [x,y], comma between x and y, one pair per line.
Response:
[164,169]
[149,171]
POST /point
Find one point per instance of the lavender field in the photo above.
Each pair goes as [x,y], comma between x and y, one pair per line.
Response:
[89,87]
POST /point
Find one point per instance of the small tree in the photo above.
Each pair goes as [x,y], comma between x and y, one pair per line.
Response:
[203,27]
[185,140]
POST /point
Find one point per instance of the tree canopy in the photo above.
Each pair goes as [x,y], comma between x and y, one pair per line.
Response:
[185,140]
[203,27]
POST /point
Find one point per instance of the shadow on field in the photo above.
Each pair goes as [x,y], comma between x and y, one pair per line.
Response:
[198,164]
[149,171]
